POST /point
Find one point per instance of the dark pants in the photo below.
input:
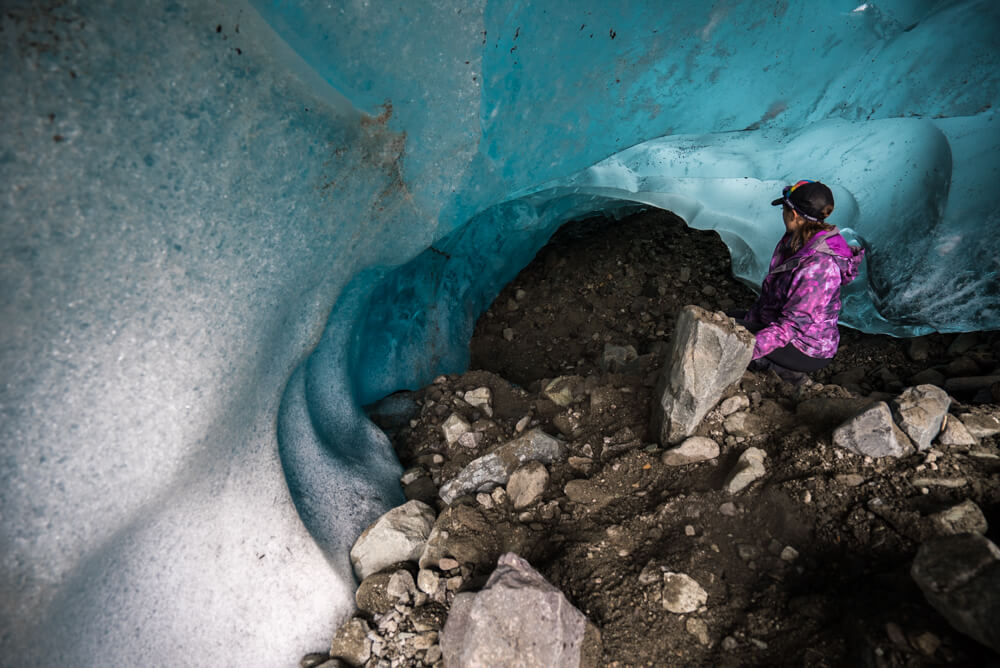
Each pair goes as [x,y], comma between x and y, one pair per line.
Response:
[788,357]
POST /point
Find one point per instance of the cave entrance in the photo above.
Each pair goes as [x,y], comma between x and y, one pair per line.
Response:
[600,283]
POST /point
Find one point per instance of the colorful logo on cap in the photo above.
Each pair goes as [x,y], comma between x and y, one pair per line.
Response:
[785,195]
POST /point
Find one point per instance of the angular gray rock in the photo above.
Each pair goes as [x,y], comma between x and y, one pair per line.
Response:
[693,450]
[749,467]
[982,424]
[960,577]
[494,469]
[527,484]
[709,353]
[873,433]
[919,411]
[399,535]
[965,517]
[955,433]
[517,619]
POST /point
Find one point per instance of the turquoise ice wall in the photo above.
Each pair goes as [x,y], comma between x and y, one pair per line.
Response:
[226,227]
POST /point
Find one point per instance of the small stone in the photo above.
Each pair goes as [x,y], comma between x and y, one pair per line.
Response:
[351,642]
[399,535]
[527,484]
[499,496]
[433,655]
[682,594]
[747,552]
[564,390]
[955,433]
[982,425]
[807,496]
[919,411]
[454,427]
[650,574]
[737,402]
[950,483]
[689,530]
[520,295]
[508,334]
[470,440]
[729,643]
[448,564]
[749,467]
[699,629]
[965,517]
[691,451]
[401,586]
[485,500]
[615,358]
[849,479]
[926,642]
[314,659]
[789,554]
[582,464]
[522,424]
[428,581]
[872,432]
[480,398]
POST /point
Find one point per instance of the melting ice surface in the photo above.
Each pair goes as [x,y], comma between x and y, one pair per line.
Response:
[225,228]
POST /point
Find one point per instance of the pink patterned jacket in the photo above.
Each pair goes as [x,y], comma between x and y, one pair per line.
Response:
[799,301]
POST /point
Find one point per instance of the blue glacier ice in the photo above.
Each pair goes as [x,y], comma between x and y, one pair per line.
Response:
[228,226]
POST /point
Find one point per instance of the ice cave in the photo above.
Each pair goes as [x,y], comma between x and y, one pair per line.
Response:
[230,225]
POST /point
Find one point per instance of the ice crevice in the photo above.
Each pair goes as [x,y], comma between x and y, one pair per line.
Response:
[228,226]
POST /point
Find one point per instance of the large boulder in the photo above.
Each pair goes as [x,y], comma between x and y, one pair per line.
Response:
[490,470]
[873,433]
[709,353]
[920,411]
[960,577]
[399,535]
[517,619]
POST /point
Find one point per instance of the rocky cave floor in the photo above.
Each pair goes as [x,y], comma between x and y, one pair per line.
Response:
[808,566]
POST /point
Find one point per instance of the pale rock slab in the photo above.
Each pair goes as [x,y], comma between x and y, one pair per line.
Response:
[873,433]
[920,411]
[493,469]
[749,467]
[527,484]
[693,450]
[519,619]
[399,535]
[709,353]
[955,433]
[960,577]
[682,593]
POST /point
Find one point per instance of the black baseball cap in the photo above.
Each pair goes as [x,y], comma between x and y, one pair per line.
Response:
[812,199]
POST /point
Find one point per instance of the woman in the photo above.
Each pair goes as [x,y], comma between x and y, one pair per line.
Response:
[795,317]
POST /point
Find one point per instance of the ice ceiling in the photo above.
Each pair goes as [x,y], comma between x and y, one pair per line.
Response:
[226,227]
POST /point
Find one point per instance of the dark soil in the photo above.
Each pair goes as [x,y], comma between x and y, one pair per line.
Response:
[843,596]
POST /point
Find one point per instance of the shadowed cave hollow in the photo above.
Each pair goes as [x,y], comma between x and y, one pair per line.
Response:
[853,523]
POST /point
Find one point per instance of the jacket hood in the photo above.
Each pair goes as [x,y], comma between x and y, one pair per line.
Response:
[847,257]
